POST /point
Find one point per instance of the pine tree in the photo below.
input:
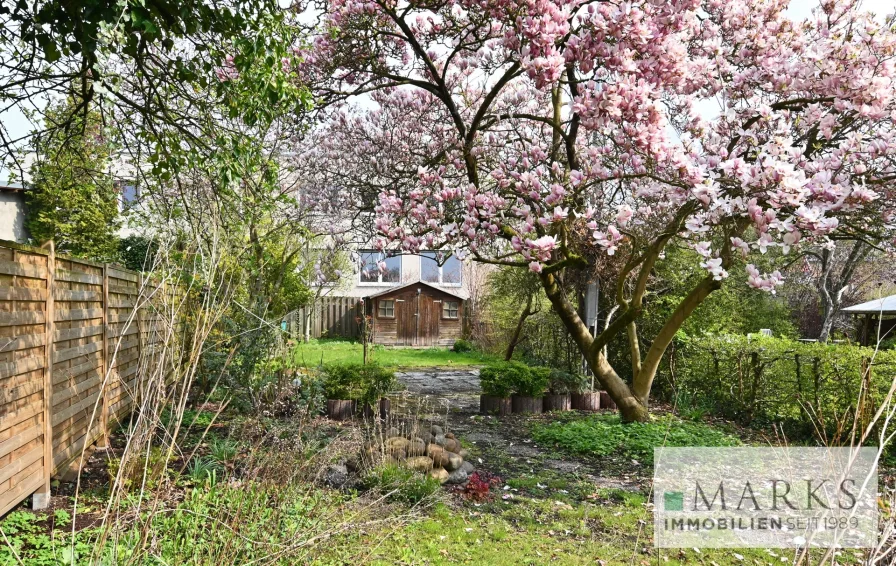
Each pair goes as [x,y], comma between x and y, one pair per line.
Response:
[72,198]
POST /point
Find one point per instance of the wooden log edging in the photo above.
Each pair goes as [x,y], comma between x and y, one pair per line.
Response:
[557,403]
[586,401]
[525,404]
[491,405]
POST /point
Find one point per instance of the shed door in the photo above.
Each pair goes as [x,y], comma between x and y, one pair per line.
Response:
[430,311]
[405,309]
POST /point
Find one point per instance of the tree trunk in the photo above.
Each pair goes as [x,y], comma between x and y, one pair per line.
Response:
[518,331]
[308,310]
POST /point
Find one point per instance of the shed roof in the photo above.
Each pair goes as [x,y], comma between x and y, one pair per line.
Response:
[884,305]
[415,283]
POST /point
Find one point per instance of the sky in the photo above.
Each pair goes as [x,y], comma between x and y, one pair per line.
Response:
[18,125]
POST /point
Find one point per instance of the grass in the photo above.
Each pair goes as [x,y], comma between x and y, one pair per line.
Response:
[605,435]
[326,351]
[611,531]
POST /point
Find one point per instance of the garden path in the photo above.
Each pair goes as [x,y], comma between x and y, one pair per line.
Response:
[503,445]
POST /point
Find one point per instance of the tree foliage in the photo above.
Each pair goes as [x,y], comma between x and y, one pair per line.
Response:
[71,197]
[533,134]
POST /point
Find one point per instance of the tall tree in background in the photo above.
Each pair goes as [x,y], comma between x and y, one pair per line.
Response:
[72,198]
[533,133]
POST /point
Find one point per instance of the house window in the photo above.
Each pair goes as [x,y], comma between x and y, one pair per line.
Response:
[449,273]
[386,308]
[378,268]
[450,309]
[130,194]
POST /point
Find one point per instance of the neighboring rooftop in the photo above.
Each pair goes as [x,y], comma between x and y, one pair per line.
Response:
[884,305]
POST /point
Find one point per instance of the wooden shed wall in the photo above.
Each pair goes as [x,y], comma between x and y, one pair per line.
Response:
[401,330]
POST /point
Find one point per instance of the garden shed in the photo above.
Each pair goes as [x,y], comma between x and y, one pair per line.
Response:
[879,314]
[415,314]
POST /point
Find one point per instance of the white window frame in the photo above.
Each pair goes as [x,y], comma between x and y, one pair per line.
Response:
[445,309]
[380,282]
[440,282]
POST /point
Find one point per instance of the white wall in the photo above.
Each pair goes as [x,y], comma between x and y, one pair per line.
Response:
[12,216]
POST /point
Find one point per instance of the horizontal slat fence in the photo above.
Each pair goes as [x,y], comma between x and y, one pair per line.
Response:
[331,317]
[64,323]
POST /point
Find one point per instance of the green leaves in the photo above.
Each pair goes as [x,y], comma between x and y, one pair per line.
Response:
[72,199]
[607,435]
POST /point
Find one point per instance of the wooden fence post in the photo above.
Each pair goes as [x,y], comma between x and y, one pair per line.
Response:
[104,423]
[41,498]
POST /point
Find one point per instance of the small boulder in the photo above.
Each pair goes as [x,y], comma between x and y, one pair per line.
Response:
[419,463]
[452,445]
[438,455]
[436,430]
[440,440]
[397,453]
[397,442]
[454,461]
[416,448]
[450,435]
[336,475]
[393,432]
[440,474]
[457,477]
[463,453]
[467,467]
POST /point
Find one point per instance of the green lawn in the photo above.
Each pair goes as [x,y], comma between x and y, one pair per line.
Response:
[326,351]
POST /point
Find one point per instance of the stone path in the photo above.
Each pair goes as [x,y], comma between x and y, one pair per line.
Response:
[455,389]
[441,381]
[451,396]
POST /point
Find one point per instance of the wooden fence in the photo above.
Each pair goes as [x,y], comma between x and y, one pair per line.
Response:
[71,341]
[331,317]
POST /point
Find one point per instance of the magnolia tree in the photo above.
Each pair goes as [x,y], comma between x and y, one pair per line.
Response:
[535,133]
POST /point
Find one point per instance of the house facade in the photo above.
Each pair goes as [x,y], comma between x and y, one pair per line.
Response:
[381,271]
[12,213]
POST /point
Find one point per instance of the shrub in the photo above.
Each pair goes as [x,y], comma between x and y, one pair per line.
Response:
[503,378]
[565,382]
[605,435]
[376,381]
[402,484]
[532,383]
[498,379]
[359,382]
[463,346]
[810,388]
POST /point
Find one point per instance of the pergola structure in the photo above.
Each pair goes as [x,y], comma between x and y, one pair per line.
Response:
[879,314]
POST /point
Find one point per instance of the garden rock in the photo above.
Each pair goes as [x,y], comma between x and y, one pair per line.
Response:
[397,443]
[336,475]
[436,430]
[439,439]
[457,477]
[467,467]
[419,463]
[440,474]
[438,455]
[452,445]
[454,461]
[416,448]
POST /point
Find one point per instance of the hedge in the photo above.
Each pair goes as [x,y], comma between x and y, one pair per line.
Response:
[811,389]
